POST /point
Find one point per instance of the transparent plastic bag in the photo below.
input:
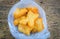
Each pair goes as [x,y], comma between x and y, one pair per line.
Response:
[13,29]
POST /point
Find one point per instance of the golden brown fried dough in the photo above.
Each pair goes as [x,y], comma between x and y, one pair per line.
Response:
[33,9]
[31,18]
[16,22]
[23,21]
[38,25]
[19,12]
[24,29]
[27,20]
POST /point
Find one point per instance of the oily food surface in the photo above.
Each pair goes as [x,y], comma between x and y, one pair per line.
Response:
[27,20]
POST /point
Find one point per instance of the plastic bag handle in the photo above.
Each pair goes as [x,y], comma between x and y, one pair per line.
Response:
[23,0]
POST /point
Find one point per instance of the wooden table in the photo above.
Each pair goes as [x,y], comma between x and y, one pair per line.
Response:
[51,7]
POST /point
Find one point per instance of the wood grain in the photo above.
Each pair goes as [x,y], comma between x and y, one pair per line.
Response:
[51,7]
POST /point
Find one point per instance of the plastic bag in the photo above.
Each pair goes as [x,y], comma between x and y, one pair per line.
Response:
[13,29]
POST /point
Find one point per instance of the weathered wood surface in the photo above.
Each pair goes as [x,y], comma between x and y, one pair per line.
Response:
[51,7]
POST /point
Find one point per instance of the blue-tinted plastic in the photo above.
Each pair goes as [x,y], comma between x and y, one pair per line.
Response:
[13,29]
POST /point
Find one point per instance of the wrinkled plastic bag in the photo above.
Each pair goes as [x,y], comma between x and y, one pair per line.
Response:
[13,29]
